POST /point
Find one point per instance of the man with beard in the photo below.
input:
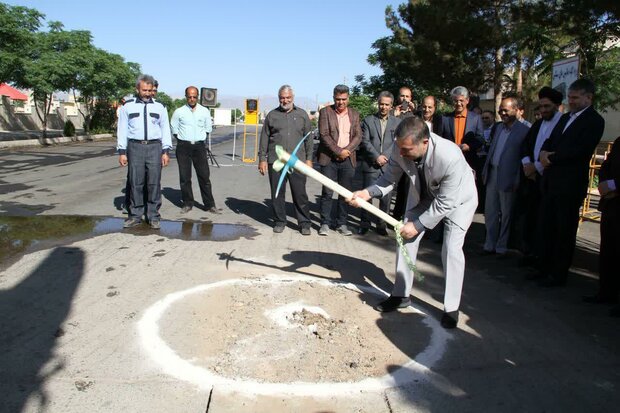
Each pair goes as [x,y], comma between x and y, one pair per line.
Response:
[442,188]
[286,125]
[526,229]
[566,158]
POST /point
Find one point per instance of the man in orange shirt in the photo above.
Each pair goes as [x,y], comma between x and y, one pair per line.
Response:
[464,127]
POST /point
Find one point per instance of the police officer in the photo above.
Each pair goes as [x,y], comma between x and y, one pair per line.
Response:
[144,141]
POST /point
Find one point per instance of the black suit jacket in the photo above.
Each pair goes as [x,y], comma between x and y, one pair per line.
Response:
[527,147]
[570,164]
[370,147]
[473,136]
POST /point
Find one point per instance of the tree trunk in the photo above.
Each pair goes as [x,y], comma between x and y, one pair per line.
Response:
[498,77]
[519,75]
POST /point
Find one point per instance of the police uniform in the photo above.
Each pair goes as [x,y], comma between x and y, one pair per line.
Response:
[144,136]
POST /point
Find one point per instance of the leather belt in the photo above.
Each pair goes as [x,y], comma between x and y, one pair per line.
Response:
[147,142]
[190,142]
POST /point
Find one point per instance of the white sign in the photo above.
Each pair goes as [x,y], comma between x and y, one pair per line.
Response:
[221,117]
[565,72]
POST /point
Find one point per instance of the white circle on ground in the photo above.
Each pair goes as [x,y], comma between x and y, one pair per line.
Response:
[418,369]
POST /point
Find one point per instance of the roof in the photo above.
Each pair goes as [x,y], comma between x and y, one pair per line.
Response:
[6,90]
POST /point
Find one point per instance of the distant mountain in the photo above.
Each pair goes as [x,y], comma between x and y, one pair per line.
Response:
[265,102]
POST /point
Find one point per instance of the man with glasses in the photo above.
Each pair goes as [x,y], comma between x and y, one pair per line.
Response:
[191,124]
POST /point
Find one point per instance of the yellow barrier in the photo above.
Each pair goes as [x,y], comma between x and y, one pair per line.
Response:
[600,154]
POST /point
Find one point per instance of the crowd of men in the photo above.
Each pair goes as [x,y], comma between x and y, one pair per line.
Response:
[530,180]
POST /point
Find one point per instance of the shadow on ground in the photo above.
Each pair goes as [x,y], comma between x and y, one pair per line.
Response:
[33,313]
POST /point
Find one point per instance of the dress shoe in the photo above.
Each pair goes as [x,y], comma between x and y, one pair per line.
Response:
[155,224]
[305,230]
[382,231]
[279,227]
[131,222]
[615,311]
[449,320]
[502,256]
[324,230]
[362,231]
[344,230]
[486,253]
[393,303]
[598,299]
[214,210]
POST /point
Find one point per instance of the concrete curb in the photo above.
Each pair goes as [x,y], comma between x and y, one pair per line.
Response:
[54,141]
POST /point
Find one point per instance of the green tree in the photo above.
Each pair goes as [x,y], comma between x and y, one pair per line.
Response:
[18,27]
[363,103]
[55,60]
[103,79]
[509,45]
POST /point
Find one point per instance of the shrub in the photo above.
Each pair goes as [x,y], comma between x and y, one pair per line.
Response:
[69,129]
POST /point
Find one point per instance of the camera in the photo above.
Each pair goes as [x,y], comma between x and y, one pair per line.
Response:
[404,106]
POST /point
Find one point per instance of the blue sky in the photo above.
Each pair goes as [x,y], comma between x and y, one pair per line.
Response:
[242,48]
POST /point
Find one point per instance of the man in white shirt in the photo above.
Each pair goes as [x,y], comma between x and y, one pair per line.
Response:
[191,124]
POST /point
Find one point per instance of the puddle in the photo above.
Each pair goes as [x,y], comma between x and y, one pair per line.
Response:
[19,234]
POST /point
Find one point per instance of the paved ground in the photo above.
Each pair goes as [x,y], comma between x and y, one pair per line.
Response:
[90,320]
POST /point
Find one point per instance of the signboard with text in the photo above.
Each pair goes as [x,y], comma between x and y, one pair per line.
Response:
[565,72]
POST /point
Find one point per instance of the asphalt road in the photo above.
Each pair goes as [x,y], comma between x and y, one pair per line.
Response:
[75,290]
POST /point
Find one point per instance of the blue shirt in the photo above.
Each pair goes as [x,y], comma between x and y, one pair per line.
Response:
[191,125]
[143,120]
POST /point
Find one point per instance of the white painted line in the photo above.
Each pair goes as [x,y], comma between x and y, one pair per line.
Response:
[175,366]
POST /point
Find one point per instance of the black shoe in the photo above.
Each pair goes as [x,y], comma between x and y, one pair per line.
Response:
[615,312]
[598,299]
[393,303]
[305,230]
[486,253]
[186,209]
[382,231]
[131,222]
[279,227]
[502,256]
[155,224]
[362,231]
[449,320]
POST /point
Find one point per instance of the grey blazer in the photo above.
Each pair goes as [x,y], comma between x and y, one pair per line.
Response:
[370,147]
[450,182]
[509,168]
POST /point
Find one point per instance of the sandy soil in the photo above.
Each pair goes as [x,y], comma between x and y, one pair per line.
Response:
[289,332]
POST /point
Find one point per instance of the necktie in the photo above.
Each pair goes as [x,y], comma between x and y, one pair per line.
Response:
[423,187]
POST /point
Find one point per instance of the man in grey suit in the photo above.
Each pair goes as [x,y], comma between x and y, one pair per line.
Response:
[443,188]
[375,149]
[501,174]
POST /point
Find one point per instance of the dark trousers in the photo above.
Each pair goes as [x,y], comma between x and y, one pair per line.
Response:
[560,219]
[609,281]
[196,154]
[297,182]
[368,179]
[402,193]
[526,231]
[144,174]
[343,173]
